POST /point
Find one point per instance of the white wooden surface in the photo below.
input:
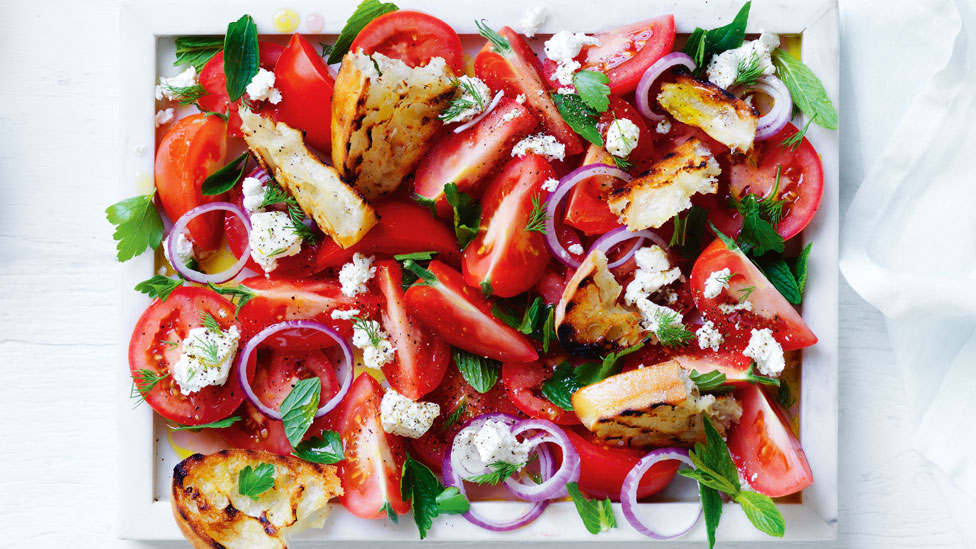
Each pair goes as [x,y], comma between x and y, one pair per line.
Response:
[59,158]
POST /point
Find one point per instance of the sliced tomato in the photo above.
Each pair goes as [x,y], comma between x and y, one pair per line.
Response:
[280,299]
[733,365]
[523,384]
[370,474]
[461,316]
[519,72]
[213,80]
[587,209]
[412,37]
[470,157]
[303,79]
[152,349]
[275,376]
[551,285]
[765,449]
[769,308]
[452,394]
[193,148]
[603,469]
[421,356]
[800,184]
[505,255]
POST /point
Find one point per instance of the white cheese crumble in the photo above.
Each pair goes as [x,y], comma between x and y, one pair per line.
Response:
[545,145]
[520,99]
[253,191]
[716,282]
[653,273]
[532,20]
[510,115]
[549,185]
[402,416]
[164,116]
[563,48]
[622,137]
[728,309]
[493,442]
[724,67]
[478,100]
[576,249]
[664,126]
[766,351]
[167,87]
[272,237]
[375,355]
[261,87]
[348,314]
[139,150]
[205,358]
[184,250]
[652,313]
[566,90]
[354,275]
[709,337]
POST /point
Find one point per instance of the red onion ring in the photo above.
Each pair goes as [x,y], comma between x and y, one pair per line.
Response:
[652,73]
[180,226]
[773,121]
[628,492]
[566,184]
[491,107]
[343,371]
[569,470]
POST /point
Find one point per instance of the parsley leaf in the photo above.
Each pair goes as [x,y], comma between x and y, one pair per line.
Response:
[254,482]
[688,232]
[467,214]
[159,286]
[597,515]
[299,407]
[137,225]
[365,12]
[426,202]
[427,495]
[239,295]
[499,472]
[197,50]
[226,177]
[537,322]
[580,117]
[498,42]
[416,256]
[759,216]
[241,58]
[806,89]
[593,89]
[326,449]
[226,422]
[480,372]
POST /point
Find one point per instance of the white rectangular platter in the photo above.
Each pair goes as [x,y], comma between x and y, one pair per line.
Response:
[145,458]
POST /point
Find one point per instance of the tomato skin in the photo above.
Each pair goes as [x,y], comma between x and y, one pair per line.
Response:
[504,254]
[371,472]
[603,469]
[303,79]
[412,37]
[193,148]
[461,316]
[470,157]
[769,308]
[520,72]
[171,320]
[764,448]
[523,384]
[213,80]
[421,356]
[281,299]
[551,286]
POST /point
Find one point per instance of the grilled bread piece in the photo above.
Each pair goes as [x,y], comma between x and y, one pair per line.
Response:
[728,119]
[666,189]
[211,512]
[590,320]
[383,122]
[652,406]
[335,207]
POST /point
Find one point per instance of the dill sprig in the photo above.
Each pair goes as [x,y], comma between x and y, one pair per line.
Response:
[538,217]
[670,331]
[746,292]
[210,323]
[498,42]
[748,70]
[274,194]
[185,94]
[143,381]
[793,141]
[209,350]
[499,472]
[462,102]
[371,328]
[456,415]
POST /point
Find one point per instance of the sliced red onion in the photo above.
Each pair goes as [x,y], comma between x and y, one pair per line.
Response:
[773,121]
[180,226]
[569,470]
[343,371]
[628,493]
[566,184]
[651,75]
[491,107]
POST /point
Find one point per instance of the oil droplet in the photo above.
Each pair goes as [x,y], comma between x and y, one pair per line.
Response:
[314,23]
[286,20]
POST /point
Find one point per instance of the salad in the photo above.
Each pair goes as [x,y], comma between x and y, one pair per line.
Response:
[574,274]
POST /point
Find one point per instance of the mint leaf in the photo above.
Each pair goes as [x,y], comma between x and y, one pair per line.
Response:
[197,50]
[252,482]
[754,378]
[580,117]
[688,232]
[560,387]
[597,514]
[326,449]
[226,422]
[137,225]
[806,89]
[695,46]
[712,509]
[593,89]
[299,407]
[762,513]
[226,177]
[241,57]
[480,372]
[467,214]
[729,36]
[159,286]
[364,14]
[800,268]
[780,275]
[709,381]
[424,277]
[416,256]
[239,295]
[428,496]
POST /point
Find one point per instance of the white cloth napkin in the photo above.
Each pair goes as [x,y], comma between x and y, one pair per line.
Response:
[908,241]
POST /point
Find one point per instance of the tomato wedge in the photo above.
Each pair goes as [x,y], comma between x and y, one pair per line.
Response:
[523,384]
[421,356]
[193,148]
[370,474]
[213,80]
[518,71]
[170,321]
[505,254]
[462,317]
[769,308]
[470,157]
[765,449]
[603,469]
[412,37]
[303,79]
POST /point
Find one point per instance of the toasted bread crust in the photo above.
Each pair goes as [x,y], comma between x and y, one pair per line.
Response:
[726,118]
